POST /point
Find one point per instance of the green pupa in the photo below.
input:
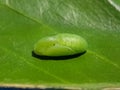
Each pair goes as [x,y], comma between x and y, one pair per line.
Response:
[62,44]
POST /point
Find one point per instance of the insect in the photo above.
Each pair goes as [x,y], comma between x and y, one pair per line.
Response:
[62,44]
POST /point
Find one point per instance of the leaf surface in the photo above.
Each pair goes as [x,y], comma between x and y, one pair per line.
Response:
[24,22]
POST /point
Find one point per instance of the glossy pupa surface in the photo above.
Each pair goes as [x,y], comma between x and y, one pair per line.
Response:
[62,44]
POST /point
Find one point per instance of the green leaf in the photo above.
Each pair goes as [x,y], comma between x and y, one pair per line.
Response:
[115,3]
[24,22]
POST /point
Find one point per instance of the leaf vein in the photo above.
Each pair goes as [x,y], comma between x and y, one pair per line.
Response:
[104,59]
[23,58]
